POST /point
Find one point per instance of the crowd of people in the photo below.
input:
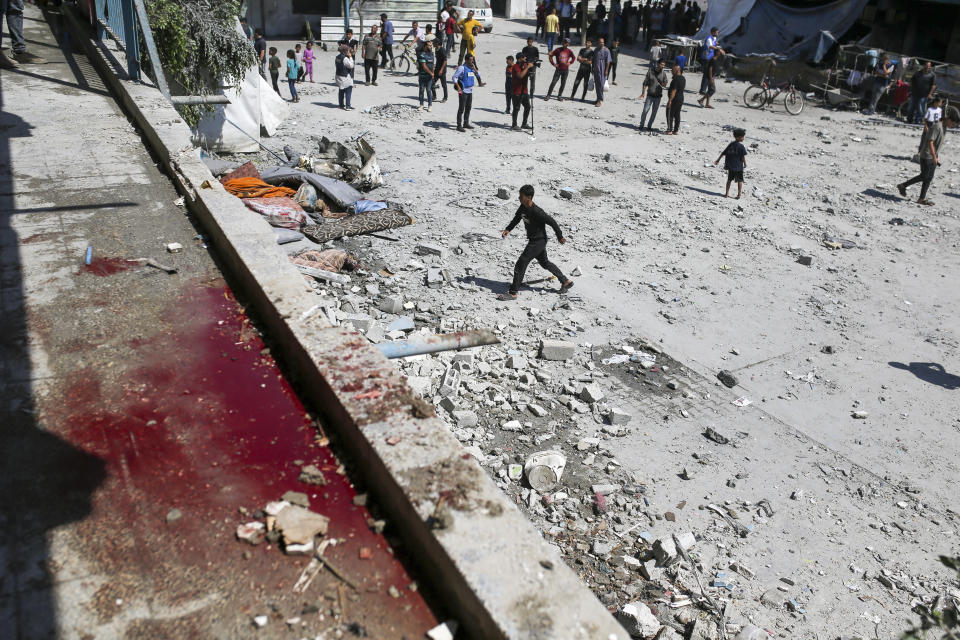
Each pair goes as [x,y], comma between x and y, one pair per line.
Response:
[632,23]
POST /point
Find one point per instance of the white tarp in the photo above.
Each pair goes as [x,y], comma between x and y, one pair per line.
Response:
[254,106]
[768,27]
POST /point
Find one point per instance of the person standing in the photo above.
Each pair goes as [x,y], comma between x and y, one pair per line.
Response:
[344,77]
[922,86]
[656,52]
[292,75]
[425,65]
[614,56]
[930,155]
[541,19]
[675,100]
[653,85]
[532,52]
[551,28]
[566,17]
[561,58]
[274,63]
[585,58]
[464,79]
[450,29]
[709,54]
[371,46]
[439,69]
[260,47]
[246,28]
[298,51]
[308,56]
[468,34]
[881,77]
[535,221]
[735,161]
[647,14]
[602,61]
[508,83]
[386,40]
[518,89]
[12,11]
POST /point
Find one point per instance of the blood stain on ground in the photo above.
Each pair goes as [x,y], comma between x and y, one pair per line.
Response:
[108,266]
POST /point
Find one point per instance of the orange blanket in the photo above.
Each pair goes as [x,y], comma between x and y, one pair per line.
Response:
[255,188]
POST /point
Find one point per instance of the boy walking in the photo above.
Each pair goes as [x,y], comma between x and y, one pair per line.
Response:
[535,220]
[736,161]
[274,63]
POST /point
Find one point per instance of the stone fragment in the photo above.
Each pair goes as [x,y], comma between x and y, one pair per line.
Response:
[638,620]
[503,194]
[557,349]
[618,417]
[252,532]
[299,525]
[427,249]
[391,304]
[805,260]
[311,474]
[516,362]
[591,393]
[537,410]
[465,419]
[512,425]
[445,631]
[360,321]
[668,633]
[605,489]
[298,498]
[434,278]
[727,379]
[173,515]
[568,193]
[403,323]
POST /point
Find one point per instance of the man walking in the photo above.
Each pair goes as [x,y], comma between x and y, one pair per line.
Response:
[929,155]
[602,62]
[12,10]
[551,28]
[653,85]
[709,55]
[585,58]
[561,58]
[464,79]
[519,90]
[386,50]
[535,221]
[922,86]
[371,49]
[532,52]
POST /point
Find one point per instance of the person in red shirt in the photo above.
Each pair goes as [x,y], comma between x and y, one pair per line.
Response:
[449,28]
[518,89]
[561,58]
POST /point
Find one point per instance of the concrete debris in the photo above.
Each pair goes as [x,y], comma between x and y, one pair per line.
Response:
[591,393]
[557,349]
[665,550]
[444,631]
[638,620]
[298,498]
[299,526]
[618,416]
[252,532]
[544,470]
[311,474]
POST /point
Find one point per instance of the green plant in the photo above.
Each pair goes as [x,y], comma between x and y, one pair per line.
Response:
[937,619]
[199,47]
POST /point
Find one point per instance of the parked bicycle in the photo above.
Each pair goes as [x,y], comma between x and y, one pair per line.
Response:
[404,61]
[758,96]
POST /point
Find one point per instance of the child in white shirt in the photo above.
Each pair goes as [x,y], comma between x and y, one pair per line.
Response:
[934,112]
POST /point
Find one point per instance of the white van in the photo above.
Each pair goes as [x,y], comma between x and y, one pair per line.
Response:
[482,12]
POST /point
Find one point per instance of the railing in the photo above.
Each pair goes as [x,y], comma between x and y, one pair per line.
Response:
[117,19]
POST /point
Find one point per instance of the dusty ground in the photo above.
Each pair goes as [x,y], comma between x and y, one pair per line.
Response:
[716,284]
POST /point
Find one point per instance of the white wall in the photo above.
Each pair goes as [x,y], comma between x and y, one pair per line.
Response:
[521,8]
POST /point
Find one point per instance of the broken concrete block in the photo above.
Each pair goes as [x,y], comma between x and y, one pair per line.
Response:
[391,304]
[466,419]
[638,620]
[585,444]
[665,551]
[516,362]
[360,321]
[447,404]
[591,393]
[420,384]
[602,548]
[434,278]
[445,631]
[375,333]
[298,498]
[557,349]
[299,525]
[298,549]
[427,249]
[403,323]
[537,410]
[668,633]
[605,489]
[311,474]
[174,247]
[512,425]
[465,357]
[503,194]
[618,417]
[450,383]
[252,532]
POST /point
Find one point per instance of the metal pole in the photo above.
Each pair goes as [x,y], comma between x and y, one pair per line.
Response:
[132,50]
[437,343]
[151,48]
[177,100]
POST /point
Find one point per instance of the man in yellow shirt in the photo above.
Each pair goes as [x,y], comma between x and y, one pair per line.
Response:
[551,28]
[468,29]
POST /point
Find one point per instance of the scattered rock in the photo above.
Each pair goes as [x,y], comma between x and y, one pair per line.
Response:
[638,620]
[557,349]
[727,379]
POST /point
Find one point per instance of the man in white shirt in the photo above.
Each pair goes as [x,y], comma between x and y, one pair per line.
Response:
[418,35]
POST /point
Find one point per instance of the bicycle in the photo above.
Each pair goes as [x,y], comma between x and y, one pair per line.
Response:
[759,95]
[404,61]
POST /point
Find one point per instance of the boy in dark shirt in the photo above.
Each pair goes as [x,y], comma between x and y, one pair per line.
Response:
[274,63]
[585,58]
[736,161]
[535,220]
[508,84]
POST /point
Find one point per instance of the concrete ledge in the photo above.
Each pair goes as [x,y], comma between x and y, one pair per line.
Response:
[495,573]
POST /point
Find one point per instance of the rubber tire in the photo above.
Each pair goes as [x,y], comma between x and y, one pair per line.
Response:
[404,65]
[755,96]
[793,102]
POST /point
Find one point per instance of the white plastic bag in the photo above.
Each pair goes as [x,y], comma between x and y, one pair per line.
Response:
[606,85]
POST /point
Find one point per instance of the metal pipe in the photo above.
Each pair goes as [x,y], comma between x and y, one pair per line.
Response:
[199,100]
[439,342]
